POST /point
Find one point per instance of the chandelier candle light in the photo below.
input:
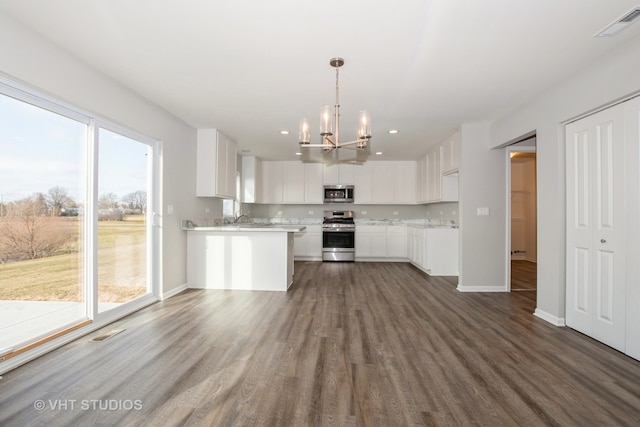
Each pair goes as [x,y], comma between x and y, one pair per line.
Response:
[331,140]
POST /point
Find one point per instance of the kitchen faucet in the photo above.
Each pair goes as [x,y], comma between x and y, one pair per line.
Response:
[238,216]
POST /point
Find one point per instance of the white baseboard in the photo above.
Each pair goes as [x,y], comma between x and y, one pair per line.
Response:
[173,292]
[461,288]
[554,320]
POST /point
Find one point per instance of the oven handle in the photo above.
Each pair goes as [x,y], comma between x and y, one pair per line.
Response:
[333,230]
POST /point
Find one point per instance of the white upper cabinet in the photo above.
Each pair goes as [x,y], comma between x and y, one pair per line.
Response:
[251,170]
[338,174]
[451,153]
[302,183]
[405,183]
[293,182]
[383,182]
[216,165]
[386,182]
[363,187]
[272,180]
[313,193]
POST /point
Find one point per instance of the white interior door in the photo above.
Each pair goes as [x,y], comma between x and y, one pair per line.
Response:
[596,226]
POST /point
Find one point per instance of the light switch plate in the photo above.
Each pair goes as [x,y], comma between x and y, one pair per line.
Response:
[482,212]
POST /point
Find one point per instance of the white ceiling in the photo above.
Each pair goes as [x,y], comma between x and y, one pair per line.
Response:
[253,68]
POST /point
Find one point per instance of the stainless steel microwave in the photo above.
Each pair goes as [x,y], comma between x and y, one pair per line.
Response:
[338,193]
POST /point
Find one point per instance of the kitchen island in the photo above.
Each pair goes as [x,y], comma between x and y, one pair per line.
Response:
[256,257]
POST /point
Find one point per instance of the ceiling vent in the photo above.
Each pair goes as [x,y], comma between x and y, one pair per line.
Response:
[620,24]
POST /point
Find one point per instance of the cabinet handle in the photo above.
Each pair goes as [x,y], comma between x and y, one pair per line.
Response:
[603,241]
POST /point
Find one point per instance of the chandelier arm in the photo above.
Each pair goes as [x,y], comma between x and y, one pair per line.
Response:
[317,146]
[331,141]
[346,144]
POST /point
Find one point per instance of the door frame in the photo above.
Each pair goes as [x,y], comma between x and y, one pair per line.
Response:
[508,150]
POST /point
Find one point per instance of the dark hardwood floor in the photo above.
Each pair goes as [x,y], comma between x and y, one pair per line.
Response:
[350,344]
[523,275]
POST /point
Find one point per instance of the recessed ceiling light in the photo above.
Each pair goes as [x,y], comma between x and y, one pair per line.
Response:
[394,131]
[378,153]
[298,154]
[284,132]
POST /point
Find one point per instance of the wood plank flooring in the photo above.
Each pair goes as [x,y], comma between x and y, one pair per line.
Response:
[351,344]
[523,275]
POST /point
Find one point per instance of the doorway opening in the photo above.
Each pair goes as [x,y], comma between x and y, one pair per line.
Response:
[522,217]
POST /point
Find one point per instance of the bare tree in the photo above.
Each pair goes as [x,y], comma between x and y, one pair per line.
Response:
[136,201]
[108,201]
[27,233]
[57,198]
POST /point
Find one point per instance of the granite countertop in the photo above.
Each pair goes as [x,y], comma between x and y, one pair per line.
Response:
[249,228]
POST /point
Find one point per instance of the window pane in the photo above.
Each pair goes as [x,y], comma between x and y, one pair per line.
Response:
[42,191]
[123,182]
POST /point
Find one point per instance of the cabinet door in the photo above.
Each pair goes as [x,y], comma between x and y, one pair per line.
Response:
[331,174]
[396,241]
[405,183]
[272,179]
[314,241]
[451,153]
[363,187]
[363,243]
[249,176]
[313,193]
[293,182]
[441,251]
[231,156]
[346,174]
[379,243]
[216,165]
[434,175]
[421,180]
[300,243]
[383,182]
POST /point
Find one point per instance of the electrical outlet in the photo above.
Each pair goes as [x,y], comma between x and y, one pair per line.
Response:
[169,209]
[395,212]
[363,212]
[310,212]
[207,210]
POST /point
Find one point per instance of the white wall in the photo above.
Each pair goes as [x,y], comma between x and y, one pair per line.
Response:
[36,62]
[612,77]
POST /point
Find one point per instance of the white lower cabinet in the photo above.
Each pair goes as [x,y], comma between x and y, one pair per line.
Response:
[307,244]
[371,241]
[396,241]
[433,250]
[441,251]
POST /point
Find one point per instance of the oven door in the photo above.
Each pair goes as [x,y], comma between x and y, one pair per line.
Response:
[338,245]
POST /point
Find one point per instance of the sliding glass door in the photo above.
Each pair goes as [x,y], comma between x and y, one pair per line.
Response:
[76,218]
[124,228]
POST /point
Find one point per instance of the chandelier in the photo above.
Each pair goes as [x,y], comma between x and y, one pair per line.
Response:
[331,139]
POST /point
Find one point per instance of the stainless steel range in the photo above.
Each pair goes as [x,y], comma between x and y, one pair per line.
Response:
[338,236]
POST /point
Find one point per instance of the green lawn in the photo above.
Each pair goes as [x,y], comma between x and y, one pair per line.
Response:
[121,268]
